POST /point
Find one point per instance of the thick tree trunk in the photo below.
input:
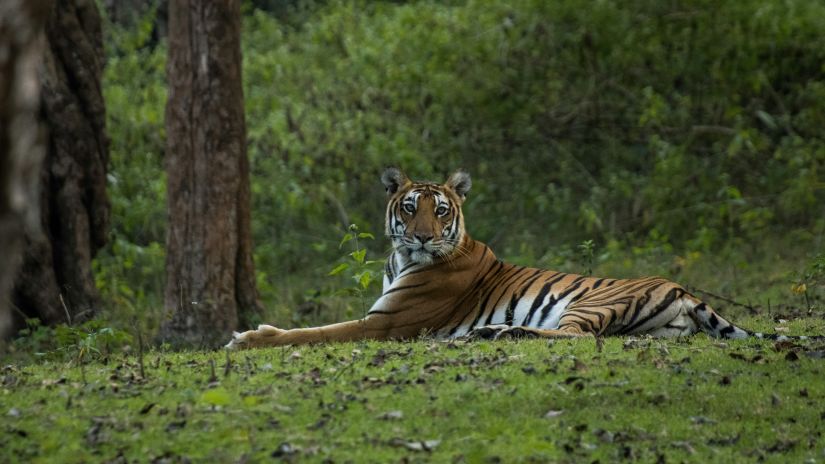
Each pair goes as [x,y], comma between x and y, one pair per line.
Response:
[21,140]
[55,282]
[210,275]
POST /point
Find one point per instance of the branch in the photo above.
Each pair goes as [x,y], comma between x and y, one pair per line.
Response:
[725,299]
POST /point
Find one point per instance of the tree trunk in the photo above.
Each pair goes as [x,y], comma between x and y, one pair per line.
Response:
[55,282]
[210,276]
[21,139]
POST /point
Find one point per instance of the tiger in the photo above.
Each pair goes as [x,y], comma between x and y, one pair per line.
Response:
[440,282]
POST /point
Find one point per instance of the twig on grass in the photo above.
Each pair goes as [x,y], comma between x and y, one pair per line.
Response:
[227,368]
[140,353]
[749,307]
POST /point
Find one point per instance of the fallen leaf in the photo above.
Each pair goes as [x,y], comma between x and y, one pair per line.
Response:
[391,415]
[781,446]
[633,343]
[701,420]
[578,365]
[95,435]
[49,382]
[415,445]
[684,445]
[785,345]
[529,370]
[775,401]
[285,449]
[147,408]
[175,425]
[604,435]
[815,354]
[379,359]
[553,413]
[322,422]
[729,441]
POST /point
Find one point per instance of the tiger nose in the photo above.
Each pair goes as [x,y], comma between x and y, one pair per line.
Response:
[423,238]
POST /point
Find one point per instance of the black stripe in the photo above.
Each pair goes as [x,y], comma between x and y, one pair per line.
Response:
[545,311]
[388,270]
[579,313]
[582,328]
[641,303]
[508,315]
[479,309]
[493,268]
[408,266]
[404,287]
[539,299]
[727,330]
[670,297]
[506,281]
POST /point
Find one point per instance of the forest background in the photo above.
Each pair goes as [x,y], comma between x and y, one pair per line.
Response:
[681,138]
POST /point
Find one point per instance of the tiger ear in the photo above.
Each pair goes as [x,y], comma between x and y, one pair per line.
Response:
[393,179]
[460,182]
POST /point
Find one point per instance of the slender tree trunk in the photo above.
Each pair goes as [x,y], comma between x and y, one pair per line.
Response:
[55,282]
[21,139]
[210,275]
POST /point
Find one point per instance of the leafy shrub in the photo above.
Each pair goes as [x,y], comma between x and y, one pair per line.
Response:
[91,340]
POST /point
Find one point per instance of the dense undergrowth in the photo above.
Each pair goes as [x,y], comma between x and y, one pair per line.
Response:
[676,138]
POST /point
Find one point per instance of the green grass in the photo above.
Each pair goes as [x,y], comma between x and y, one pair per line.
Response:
[693,399]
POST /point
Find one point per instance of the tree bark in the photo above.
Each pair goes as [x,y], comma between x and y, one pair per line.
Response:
[55,282]
[21,137]
[209,270]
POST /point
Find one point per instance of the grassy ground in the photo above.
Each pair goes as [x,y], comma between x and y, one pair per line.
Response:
[694,399]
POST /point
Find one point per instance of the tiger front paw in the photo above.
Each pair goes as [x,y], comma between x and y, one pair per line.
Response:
[487,332]
[516,333]
[265,335]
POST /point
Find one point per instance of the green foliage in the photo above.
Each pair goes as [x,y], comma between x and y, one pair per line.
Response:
[815,274]
[811,280]
[129,272]
[80,344]
[660,129]
[363,272]
[587,250]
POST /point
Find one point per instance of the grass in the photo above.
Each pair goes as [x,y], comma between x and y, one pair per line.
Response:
[694,399]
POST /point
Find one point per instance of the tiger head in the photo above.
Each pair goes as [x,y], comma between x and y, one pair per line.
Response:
[424,220]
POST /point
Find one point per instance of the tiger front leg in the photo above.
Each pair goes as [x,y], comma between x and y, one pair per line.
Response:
[265,335]
[372,327]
